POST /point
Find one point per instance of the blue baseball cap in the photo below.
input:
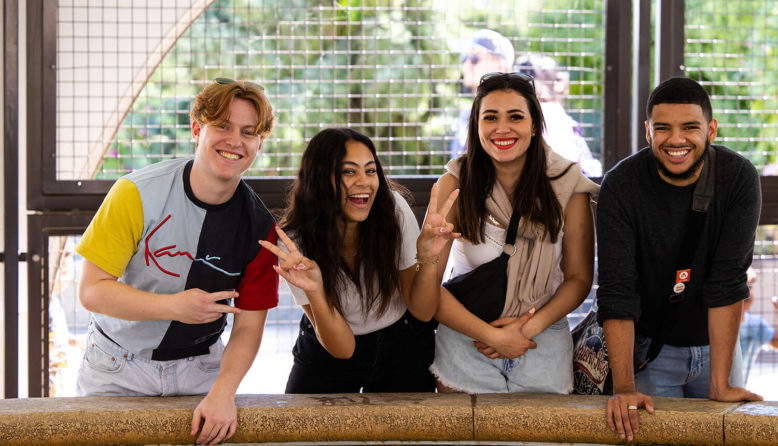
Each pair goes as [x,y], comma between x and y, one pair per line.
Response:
[492,42]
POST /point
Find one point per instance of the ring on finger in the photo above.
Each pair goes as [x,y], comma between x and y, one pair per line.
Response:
[632,407]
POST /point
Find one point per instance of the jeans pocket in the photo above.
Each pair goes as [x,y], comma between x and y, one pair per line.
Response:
[642,343]
[640,353]
[101,358]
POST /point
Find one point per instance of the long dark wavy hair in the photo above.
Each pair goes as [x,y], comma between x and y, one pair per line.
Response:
[533,198]
[314,213]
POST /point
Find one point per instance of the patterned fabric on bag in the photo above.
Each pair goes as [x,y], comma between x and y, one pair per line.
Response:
[591,369]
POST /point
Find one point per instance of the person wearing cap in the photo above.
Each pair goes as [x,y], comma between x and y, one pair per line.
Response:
[171,245]
[487,52]
[552,86]
[755,331]
[676,224]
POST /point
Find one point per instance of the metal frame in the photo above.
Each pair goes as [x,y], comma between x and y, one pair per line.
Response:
[11,194]
[669,38]
[617,139]
[642,72]
[40,228]
[43,191]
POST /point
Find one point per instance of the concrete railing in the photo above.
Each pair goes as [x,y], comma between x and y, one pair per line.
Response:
[409,417]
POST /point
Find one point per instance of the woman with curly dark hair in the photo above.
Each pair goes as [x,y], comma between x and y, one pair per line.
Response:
[509,173]
[362,271]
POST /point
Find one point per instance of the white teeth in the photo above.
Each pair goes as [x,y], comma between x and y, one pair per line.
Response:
[360,196]
[677,152]
[230,156]
[505,142]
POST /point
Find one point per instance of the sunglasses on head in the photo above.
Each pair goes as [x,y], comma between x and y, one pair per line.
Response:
[227,81]
[523,76]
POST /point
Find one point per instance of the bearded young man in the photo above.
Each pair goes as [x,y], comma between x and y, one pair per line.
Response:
[673,256]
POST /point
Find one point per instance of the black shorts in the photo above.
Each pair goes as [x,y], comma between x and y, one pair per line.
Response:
[393,359]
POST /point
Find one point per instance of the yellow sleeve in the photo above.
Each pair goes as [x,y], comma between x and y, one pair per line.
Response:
[112,237]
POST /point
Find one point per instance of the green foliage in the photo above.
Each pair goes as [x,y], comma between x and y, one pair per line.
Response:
[731,49]
[389,68]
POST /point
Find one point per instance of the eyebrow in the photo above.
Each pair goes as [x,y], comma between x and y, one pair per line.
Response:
[227,121]
[513,110]
[352,163]
[683,123]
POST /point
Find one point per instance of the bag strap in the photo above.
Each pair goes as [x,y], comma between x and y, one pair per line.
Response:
[513,227]
[703,195]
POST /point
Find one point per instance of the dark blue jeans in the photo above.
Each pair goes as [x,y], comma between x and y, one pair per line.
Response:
[393,359]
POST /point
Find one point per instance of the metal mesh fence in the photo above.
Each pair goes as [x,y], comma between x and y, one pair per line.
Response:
[730,49]
[390,69]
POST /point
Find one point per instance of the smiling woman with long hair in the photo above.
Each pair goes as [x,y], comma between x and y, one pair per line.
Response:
[362,271]
[508,168]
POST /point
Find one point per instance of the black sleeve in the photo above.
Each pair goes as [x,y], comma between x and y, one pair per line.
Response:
[617,296]
[730,258]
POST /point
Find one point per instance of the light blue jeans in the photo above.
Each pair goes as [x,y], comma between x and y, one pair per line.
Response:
[682,372]
[109,370]
[545,369]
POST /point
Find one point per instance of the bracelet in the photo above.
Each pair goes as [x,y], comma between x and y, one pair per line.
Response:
[420,262]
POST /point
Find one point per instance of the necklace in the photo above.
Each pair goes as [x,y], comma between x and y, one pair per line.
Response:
[493,220]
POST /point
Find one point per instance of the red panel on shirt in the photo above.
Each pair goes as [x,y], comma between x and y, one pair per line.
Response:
[258,289]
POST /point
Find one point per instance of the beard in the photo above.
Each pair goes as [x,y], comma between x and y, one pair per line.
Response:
[688,173]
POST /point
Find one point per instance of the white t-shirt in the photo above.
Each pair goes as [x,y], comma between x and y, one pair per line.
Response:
[351,298]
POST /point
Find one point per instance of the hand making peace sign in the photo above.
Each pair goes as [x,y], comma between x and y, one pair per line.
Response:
[297,269]
[436,231]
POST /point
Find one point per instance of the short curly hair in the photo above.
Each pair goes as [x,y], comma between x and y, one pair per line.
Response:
[680,90]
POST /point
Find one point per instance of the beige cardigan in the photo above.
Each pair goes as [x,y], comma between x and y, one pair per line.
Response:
[531,269]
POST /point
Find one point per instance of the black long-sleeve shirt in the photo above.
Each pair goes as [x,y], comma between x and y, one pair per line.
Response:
[641,223]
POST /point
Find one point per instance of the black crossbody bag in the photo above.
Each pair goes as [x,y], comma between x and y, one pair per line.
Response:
[482,290]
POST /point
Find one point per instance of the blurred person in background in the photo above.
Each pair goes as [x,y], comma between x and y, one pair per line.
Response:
[755,331]
[488,51]
[553,86]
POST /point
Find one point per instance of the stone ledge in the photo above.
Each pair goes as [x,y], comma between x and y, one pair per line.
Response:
[581,419]
[752,424]
[410,417]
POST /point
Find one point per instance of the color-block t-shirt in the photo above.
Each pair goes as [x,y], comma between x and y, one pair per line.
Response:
[154,235]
